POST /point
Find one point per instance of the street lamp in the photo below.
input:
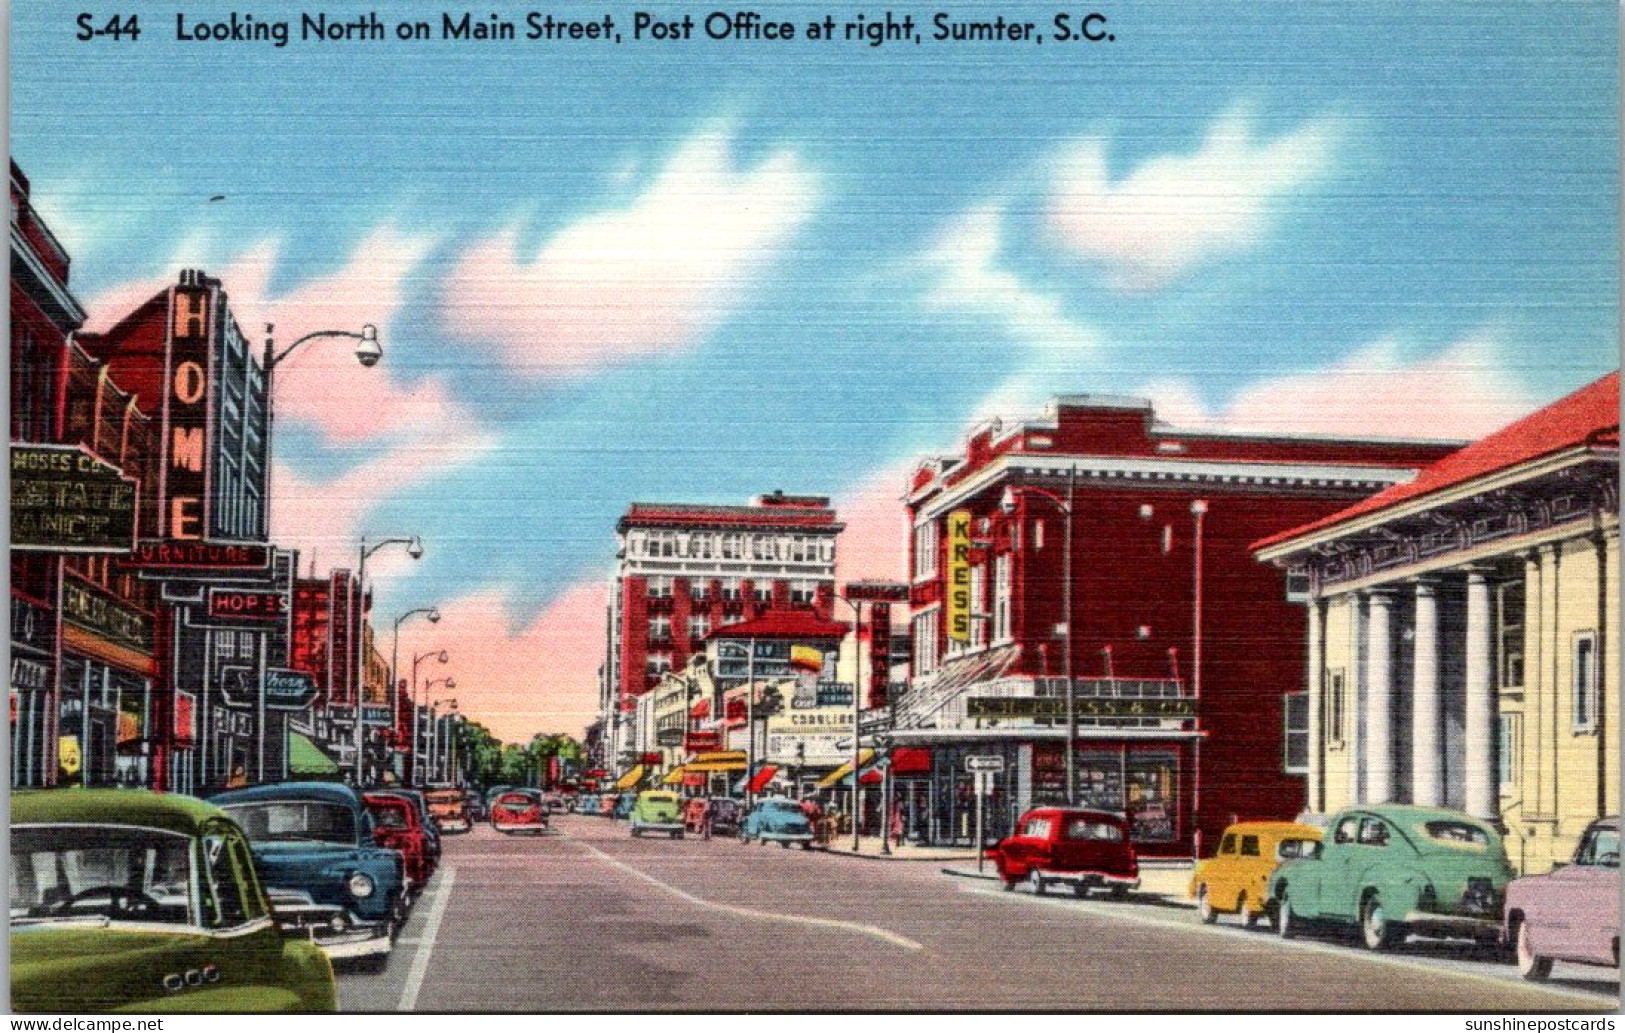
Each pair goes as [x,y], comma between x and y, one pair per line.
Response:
[1008,503]
[857,697]
[433,615]
[414,549]
[441,656]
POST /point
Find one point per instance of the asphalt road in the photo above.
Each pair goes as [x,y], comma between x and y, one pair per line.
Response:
[589,919]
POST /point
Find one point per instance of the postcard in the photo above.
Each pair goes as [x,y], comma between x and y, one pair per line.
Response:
[808,507]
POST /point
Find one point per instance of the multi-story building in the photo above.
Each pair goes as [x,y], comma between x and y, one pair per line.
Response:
[1101,551]
[182,353]
[685,570]
[1461,632]
[328,614]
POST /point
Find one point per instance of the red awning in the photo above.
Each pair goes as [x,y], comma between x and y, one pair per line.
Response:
[871,777]
[700,710]
[910,760]
[763,777]
[802,625]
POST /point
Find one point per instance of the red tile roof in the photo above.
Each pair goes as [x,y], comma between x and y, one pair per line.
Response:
[1588,416]
[796,624]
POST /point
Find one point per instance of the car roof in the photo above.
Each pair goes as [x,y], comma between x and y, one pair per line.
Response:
[138,807]
[388,800]
[318,792]
[1275,828]
[1074,811]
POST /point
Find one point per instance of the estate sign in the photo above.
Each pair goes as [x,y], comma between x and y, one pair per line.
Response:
[1055,707]
[66,500]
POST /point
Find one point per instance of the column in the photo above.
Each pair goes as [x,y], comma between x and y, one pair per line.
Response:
[1482,775]
[1314,797]
[1379,689]
[1427,703]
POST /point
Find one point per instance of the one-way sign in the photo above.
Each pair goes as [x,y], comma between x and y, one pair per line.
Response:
[984,762]
[284,689]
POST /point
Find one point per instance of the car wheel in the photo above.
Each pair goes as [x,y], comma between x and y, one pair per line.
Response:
[677,835]
[1009,884]
[1119,892]
[637,833]
[1248,919]
[1036,881]
[784,843]
[1286,926]
[1080,890]
[1375,928]
[1531,966]
[744,837]
[1204,906]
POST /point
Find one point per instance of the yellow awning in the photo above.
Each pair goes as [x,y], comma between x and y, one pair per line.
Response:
[834,777]
[721,760]
[674,777]
[630,779]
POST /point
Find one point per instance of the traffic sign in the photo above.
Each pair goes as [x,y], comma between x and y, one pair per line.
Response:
[984,762]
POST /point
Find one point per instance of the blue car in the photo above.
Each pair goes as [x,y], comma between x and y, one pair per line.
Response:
[623,806]
[587,803]
[777,820]
[313,845]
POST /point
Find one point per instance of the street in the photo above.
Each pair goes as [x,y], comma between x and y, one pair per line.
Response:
[587,918]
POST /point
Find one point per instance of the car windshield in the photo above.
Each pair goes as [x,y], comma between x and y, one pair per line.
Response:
[67,874]
[1457,832]
[278,821]
[516,803]
[1601,849]
[389,817]
[1091,829]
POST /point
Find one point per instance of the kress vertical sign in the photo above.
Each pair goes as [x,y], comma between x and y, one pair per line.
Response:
[958,571]
[186,419]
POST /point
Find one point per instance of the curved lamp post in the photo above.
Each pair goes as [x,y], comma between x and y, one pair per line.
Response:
[414,549]
[1008,503]
[433,615]
[440,656]
[434,723]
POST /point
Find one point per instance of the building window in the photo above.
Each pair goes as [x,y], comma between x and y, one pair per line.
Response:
[925,550]
[763,591]
[1334,706]
[1585,681]
[978,605]
[659,587]
[657,665]
[1510,751]
[1297,733]
[733,547]
[225,645]
[925,643]
[698,628]
[1001,598]
[660,629]
[698,588]
[1509,634]
[802,592]
[730,589]
[1038,535]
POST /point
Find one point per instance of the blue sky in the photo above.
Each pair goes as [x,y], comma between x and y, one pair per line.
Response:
[700,271]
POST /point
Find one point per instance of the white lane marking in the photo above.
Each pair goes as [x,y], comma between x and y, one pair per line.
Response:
[420,960]
[1129,913]
[885,935]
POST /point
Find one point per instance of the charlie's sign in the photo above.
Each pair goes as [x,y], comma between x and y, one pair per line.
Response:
[67,500]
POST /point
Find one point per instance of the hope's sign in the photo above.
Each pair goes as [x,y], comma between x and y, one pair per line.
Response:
[230,604]
[958,571]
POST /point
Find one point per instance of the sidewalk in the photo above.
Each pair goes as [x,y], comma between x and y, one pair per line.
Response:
[1168,881]
[869,848]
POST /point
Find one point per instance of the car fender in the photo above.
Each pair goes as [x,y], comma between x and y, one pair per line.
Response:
[1399,891]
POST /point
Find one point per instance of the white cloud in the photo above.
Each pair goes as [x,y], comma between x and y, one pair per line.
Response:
[1175,211]
[652,277]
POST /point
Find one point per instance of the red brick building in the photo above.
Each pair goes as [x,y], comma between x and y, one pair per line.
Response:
[1182,650]
[685,570]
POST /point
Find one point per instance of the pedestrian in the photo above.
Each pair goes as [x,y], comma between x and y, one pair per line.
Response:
[896,829]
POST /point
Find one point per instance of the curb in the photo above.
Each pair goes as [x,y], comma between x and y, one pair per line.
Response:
[962,873]
[896,858]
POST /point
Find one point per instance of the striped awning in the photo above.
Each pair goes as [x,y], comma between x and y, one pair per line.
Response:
[834,777]
[674,777]
[720,760]
[631,778]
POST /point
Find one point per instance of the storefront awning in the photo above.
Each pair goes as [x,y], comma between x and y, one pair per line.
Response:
[763,776]
[674,777]
[631,778]
[306,758]
[835,777]
[722,760]
[700,711]
[910,760]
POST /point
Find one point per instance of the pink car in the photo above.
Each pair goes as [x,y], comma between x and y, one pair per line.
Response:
[1572,912]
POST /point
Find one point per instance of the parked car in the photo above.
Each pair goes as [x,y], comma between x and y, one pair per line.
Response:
[1085,849]
[587,803]
[476,805]
[624,804]
[518,812]
[1235,880]
[324,872]
[606,805]
[1572,912]
[726,814]
[449,809]
[657,811]
[133,901]
[554,802]
[776,820]
[695,813]
[421,804]
[1394,869]
[492,793]
[395,825]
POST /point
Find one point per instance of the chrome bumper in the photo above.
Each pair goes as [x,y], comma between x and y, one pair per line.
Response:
[1128,882]
[1453,925]
[334,929]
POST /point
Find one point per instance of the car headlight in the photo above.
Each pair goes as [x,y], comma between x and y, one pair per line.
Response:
[360,885]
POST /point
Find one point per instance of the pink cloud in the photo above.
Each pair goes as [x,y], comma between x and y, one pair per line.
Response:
[1462,392]
[517,680]
[875,542]
[320,384]
[649,278]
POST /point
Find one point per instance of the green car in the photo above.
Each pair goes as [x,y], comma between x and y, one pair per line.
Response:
[123,900]
[1394,869]
[657,811]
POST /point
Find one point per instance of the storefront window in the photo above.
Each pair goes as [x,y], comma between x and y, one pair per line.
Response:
[1153,802]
